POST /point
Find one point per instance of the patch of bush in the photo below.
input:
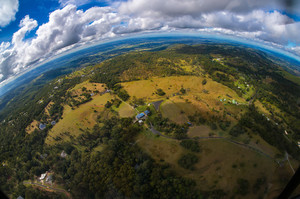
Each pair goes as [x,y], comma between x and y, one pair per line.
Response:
[160,92]
[187,161]
[258,183]
[243,186]
[224,125]
[123,94]
[236,131]
[182,90]
[213,126]
[191,145]
[108,104]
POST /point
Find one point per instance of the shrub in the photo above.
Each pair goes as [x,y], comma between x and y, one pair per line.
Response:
[191,145]
[243,186]
[160,92]
[187,161]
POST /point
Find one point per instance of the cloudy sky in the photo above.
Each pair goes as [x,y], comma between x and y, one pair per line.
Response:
[34,30]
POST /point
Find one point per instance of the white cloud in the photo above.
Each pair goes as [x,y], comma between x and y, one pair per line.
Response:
[69,27]
[74,2]
[192,7]
[8,10]
[79,2]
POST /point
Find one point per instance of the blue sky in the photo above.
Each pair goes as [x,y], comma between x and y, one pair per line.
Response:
[35,30]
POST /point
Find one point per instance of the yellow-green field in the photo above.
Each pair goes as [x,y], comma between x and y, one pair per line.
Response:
[125,110]
[82,118]
[220,164]
[35,124]
[199,131]
[90,87]
[31,127]
[193,100]
[173,111]
[290,77]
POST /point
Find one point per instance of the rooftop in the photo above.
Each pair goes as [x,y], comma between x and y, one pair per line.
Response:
[42,126]
[139,116]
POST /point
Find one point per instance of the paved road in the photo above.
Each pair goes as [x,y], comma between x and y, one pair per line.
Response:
[156,132]
[51,188]
[157,104]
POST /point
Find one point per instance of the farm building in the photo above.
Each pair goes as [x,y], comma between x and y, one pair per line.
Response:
[49,178]
[140,116]
[63,154]
[147,112]
[42,126]
[43,176]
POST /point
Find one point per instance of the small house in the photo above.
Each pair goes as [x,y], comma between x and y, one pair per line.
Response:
[43,156]
[190,124]
[147,112]
[42,126]
[140,116]
[43,176]
[49,179]
[63,154]
[140,121]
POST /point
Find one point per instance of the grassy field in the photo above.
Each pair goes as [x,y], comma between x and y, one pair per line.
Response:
[290,77]
[199,131]
[125,110]
[34,125]
[220,164]
[172,111]
[194,99]
[77,120]
[90,87]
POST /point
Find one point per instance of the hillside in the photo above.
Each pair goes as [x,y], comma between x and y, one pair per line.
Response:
[211,114]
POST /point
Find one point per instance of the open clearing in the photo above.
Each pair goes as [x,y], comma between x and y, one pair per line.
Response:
[198,131]
[77,120]
[220,162]
[125,110]
[89,87]
[172,111]
[202,98]
[34,125]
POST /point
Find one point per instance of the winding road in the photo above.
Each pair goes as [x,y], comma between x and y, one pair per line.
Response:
[155,132]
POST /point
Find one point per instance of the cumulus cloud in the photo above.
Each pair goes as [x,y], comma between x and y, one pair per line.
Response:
[69,27]
[74,2]
[80,2]
[8,10]
[191,7]
[66,27]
